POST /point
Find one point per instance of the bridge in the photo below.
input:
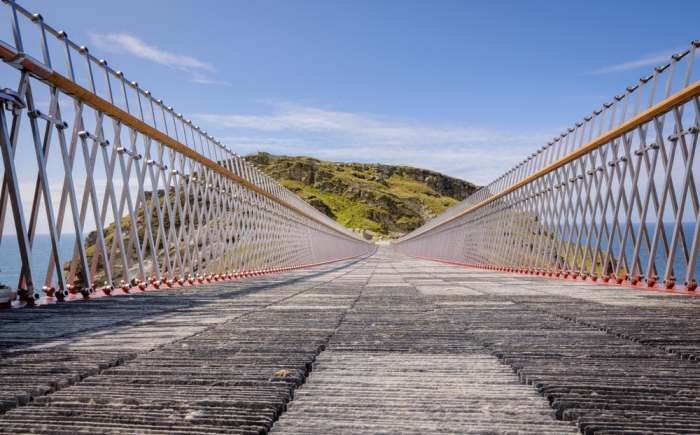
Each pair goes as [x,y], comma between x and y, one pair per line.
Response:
[182,290]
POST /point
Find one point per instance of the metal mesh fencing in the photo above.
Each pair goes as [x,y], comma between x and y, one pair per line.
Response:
[122,191]
[613,198]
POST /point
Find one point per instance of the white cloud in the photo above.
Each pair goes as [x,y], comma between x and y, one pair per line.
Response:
[129,44]
[650,60]
[124,43]
[474,153]
[206,80]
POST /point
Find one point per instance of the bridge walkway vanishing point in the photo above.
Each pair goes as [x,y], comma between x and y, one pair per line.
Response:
[384,344]
[134,196]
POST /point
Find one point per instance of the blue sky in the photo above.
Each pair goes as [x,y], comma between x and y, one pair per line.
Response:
[463,87]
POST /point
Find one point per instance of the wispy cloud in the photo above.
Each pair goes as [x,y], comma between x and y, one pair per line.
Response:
[472,152]
[207,80]
[129,44]
[649,60]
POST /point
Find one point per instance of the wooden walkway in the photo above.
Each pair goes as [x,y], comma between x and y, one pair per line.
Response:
[380,345]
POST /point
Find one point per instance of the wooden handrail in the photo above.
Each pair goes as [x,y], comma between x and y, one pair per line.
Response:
[98,103]
[662,107]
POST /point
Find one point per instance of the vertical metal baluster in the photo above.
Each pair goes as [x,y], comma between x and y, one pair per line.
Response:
[125,198]
[41,148]
[677,233]
[92,192]
[13,136]
[635,171]
[581,184]
[27,293]
[80,256]
[622,196]
[660,211]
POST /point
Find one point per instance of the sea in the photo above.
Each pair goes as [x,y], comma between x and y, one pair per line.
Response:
[11,266]
[679,266]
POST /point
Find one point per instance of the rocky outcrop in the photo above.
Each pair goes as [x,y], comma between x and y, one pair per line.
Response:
[381,200]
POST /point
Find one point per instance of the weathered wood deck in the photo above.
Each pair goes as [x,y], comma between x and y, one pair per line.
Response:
[380,345]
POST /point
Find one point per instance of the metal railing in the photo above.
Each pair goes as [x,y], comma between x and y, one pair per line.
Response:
[613,198]
[130,192]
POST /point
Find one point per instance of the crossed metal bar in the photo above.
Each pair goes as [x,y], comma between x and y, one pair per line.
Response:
[177,205]
[613,198]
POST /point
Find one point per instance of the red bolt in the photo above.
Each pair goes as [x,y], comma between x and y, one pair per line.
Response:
[651,282]
[692,285]
[670,283]
[619,279]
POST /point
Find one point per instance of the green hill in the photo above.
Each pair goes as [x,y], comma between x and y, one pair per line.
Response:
[380,200]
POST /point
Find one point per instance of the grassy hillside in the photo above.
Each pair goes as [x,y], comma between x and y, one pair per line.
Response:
[380,200]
